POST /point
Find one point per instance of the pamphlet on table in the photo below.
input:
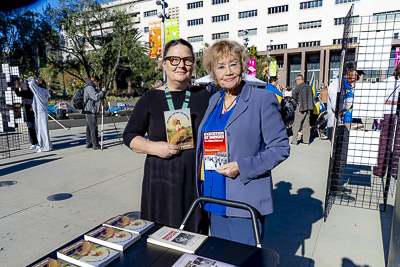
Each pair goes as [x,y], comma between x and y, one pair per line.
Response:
[177,239]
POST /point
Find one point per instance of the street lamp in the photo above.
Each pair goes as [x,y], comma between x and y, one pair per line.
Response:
[269,48]
[246,40]
[163,16]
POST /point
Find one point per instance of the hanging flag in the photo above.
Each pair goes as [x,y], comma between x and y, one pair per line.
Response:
[155,39]
[171,30]
[314,85]
[397,57]
[272,68]
[251,67]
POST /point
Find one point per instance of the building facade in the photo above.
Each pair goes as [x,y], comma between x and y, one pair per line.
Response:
[304,36]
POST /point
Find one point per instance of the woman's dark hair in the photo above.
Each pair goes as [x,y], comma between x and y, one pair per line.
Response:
[41,83]
[177,42]
[95,78]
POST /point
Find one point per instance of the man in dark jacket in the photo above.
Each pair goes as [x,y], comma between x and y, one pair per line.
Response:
[304,96]
[27,97]
[90,96]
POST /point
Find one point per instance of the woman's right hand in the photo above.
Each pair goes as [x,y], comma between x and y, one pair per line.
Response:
[166,150]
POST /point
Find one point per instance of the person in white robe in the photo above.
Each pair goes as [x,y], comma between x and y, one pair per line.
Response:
[39,105]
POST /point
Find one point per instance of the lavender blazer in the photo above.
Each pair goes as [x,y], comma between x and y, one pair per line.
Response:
[258,142]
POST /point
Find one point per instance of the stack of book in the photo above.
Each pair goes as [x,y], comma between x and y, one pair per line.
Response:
[102,245]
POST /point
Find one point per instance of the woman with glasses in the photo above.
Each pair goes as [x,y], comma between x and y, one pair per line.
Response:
[168,186]
[257,142]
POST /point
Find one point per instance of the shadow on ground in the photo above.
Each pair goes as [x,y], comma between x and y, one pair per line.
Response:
[386,227]
[348,263]
[26,164]
[288,228]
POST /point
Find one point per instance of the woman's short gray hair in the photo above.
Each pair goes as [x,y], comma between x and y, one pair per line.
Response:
[223,49]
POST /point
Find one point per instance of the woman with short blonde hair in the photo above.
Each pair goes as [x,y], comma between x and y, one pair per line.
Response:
[257,142]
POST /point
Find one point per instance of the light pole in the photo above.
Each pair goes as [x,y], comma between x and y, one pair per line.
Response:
[246,40]
[163,16]
[270,47]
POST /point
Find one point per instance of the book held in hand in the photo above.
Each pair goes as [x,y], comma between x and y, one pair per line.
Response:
[87,254]
[215,149]
[112,237]
[49,262]
[192,260]
[178,124]
[130,224]
[177,239]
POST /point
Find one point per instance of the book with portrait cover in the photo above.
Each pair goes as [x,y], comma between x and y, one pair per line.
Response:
[215,149]
[112,237]
[178,124]
[130,224]
[49,262]
[177,239]
[87,254]
[193,260]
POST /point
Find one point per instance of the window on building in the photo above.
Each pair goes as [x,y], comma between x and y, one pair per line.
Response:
[383,16]
[312,66]
[334,66]
[310,44]
[351,40]
[294,69]
[150,13]
[278,9]
[345,1]
[340,21]
[310,25]
[193,39]
[216,2]
[310,4]
[222,35]
[220,18]
[250,32]
[279,28]
[396,35]
[195,5]
[193,22]
[247,14]
[279,46]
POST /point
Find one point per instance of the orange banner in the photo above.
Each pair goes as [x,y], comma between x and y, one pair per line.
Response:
[155,39]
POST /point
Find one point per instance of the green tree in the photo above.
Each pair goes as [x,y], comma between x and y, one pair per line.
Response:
[91,38]
[21,39]
[199,69]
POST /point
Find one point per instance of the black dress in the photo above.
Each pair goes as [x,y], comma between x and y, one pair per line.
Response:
[169,185]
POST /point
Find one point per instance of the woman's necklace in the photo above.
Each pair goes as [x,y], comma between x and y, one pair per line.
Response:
[230,105]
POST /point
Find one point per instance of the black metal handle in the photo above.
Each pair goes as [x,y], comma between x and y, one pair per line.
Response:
[228,203]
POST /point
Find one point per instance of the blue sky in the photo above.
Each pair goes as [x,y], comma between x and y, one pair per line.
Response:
[40,4]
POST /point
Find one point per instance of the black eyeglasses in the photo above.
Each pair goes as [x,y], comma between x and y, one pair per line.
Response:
[175,61]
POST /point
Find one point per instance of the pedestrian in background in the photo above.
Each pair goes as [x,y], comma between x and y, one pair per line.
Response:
[304,97]
[90,96]
[273,87]
[27,99]
[39,105]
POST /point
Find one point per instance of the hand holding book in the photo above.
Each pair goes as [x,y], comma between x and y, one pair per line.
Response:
[166,150]
[230,170]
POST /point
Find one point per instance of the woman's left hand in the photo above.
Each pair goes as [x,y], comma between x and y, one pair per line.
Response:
[230,170]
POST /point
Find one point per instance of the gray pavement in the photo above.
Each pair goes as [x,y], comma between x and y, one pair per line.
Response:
[107,183]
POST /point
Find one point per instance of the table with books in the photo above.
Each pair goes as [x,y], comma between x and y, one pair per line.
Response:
[126,241]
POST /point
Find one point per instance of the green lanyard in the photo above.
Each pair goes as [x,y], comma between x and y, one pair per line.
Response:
[171,103]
